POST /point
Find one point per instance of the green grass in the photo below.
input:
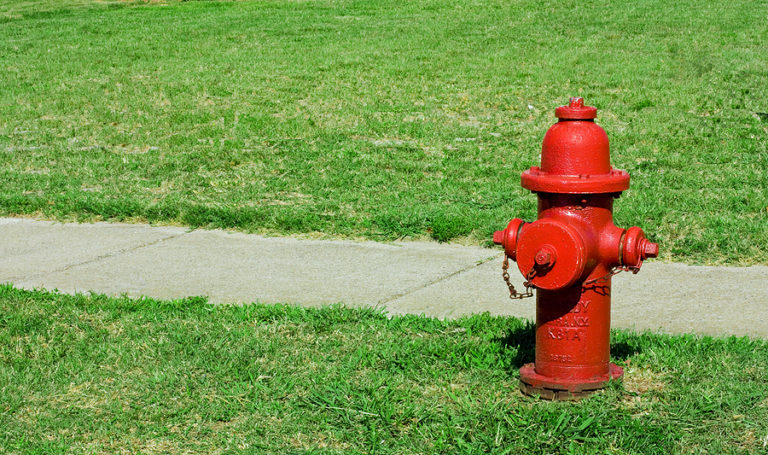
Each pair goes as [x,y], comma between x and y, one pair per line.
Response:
[383,119]
[91,374]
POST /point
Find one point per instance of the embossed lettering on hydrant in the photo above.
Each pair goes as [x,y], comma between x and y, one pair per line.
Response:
[566,334]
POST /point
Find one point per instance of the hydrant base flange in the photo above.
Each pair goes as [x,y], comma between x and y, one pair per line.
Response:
[534,384]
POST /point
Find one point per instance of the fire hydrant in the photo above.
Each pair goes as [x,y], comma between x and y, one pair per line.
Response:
[569,255]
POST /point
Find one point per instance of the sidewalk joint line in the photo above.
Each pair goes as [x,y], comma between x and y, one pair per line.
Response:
[383,302]
[100,257]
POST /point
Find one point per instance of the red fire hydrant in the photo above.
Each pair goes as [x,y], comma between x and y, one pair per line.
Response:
[569,255]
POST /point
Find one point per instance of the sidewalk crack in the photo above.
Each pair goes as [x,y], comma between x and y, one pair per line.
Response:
[98,258]
[383,302]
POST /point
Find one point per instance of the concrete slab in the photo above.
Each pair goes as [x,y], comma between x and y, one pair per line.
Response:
[30,248]
[476,290]
[427,278]
[672,298]
[678,298]
[232,267]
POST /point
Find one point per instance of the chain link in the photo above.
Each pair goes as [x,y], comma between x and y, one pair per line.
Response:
[513,294]
[607,277]
[529,286]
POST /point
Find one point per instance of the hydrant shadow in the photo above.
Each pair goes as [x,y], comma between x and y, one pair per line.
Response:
[523,341]
[622,350]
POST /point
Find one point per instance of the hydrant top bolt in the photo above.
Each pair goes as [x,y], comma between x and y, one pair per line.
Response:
[576,110]
[577,101]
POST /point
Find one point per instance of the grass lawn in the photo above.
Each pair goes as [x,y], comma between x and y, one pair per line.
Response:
[99,375]
[383,119]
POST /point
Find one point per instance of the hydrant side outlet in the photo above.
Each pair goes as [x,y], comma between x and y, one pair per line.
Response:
[570,253]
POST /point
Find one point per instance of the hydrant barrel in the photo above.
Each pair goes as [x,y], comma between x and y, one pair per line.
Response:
[570,253]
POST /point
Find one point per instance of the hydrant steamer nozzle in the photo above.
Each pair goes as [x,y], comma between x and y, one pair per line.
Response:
[569,255]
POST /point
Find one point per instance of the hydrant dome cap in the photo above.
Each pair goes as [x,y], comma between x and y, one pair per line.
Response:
[575,156]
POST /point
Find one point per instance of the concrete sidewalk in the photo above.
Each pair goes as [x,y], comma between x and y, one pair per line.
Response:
[404,277]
